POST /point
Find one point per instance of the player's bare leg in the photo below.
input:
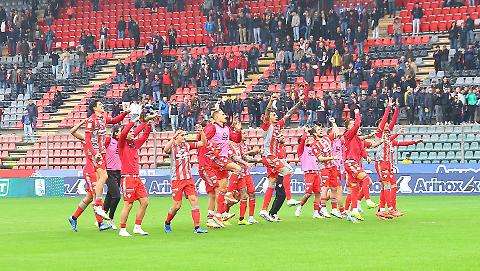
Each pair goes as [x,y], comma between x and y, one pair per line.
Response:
[123,219]
[78,212]
[176,205]
[139,217]
[196,215]
[102,177]
[243,206]
[266,200]
[303,200]
[335,201]
[323,202]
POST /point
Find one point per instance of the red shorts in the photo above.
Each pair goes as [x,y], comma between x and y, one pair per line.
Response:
[209,177]
[312,182]
[90,182]
[330,177]
[353,169]
[183,187]
[219,167]
[237,183]
[100,164]
[273,165]
[385,172]
[133,188]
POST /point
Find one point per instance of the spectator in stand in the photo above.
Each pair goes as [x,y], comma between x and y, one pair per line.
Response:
[397,31]
[96,5]
[121,26]
[49,38]
[392,10]
[164,110]
[102,42]
[463,36]
[29,81]
[295,23]
[173,114]
[65,58]
[242,66]
[172,37]
[417,14]
[469,27]
[156,87]
[471,103]
[27,127]
[437,59]
[257,27]
[360,40]
[242,28]
[375,19]
[283,80]
[32,111]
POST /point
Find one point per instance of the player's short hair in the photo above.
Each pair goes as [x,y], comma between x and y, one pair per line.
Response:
[115,130]
[93,104]
[347,123]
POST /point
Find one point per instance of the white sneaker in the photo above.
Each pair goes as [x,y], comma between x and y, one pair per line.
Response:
[212,224]
[276,218]
[316,214]
[99,211]
[137,229]
[324,213]
[265,215]
[252,220]
[370,204]
[292,202]
[124,233]
[298,211]
[336,213]
[112,223]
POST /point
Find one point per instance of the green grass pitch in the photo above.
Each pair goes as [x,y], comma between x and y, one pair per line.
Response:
[438,233]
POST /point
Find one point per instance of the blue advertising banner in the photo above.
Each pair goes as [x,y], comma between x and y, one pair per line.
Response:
[416,179]
[31,187]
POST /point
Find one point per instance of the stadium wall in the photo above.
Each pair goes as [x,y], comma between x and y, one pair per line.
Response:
[416,179]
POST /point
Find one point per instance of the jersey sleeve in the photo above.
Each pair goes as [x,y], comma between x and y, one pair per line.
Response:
[193,145]
[394,119]
[122,138]
[107,141]
[404,143]
[301,144]
[146,132]
[265,123]
[383,122]
[235,136]
[117,119]
[89,127]
[209,131]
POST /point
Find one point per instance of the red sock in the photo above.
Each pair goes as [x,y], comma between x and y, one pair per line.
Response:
[347,202]
[316,206]
[268,197]
[382,198]
[196,217]
[354,196]
[138,221]
[366,188]
[123,225]
[251,206]
[98,218]
[169,218]
[98,202]
[243,208]
[342,209]
[286,186]
[393,196]
[221,203]
[77,213]
[334,204]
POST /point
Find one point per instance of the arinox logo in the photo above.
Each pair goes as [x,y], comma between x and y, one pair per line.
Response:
[162,187]
[436,186]
[4,187]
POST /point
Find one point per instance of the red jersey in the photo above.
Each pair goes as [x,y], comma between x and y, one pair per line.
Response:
[89,168]
[325,149]
[238,150]
[202,154]
[180,168]
[281,151]
[354,146]
[128,150]
[271,139]
[384,151]
[96,131]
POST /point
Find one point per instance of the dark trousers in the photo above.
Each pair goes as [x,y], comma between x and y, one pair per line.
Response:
[113,194]
[279,196]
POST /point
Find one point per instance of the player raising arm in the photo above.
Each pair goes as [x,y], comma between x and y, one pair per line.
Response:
[132,186]
[181,177]
[90,177]
[95,151]
[276,168]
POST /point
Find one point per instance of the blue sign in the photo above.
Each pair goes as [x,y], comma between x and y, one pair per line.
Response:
[416,179]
